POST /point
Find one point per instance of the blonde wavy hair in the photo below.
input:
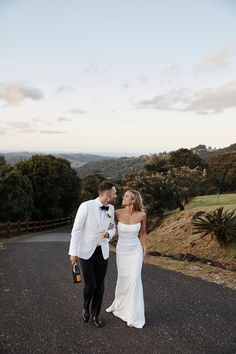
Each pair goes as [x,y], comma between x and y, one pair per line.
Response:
[138,200]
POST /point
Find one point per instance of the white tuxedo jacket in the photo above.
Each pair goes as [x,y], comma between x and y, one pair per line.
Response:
[85,233]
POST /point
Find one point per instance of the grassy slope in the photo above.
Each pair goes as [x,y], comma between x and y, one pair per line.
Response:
[175,233]
[213,201]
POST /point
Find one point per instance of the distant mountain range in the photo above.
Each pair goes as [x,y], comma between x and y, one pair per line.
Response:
[116,168]
[110,166]
[206,153]
[76,159]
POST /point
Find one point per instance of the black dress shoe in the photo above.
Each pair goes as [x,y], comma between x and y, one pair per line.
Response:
[85,315]
[96,321]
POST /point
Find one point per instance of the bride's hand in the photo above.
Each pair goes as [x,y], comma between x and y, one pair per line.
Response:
[144,254]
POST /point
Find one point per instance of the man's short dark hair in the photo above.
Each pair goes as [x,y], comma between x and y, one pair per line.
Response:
[105,186]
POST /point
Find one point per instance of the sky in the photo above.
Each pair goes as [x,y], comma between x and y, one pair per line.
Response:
[117,76]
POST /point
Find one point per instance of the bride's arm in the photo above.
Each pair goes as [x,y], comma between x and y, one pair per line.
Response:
[116,222]
[143,235]
[115,237]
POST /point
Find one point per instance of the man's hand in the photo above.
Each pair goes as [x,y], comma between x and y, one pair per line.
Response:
[73,259]
[104,234]
[111,226]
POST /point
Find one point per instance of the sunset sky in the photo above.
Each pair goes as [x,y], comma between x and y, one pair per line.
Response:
[117,76]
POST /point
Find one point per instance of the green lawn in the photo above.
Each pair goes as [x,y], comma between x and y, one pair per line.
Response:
[228,201]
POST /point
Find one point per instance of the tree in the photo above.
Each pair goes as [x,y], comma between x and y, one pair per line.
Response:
[181,181]
[16,202]
[155,189]
[156,163]
[56,186]
[2,162]
[222,172]
[187,184]
[185,157]
[146,187]
[89,186]
[170,190]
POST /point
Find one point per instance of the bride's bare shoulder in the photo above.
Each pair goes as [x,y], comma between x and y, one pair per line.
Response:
[118,211]
[118,214]
[142,215]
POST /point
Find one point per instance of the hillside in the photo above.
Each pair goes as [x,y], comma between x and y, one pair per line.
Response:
[206,153]
[110,166]
[175,233]
[79,159]
[76,159]
[114,168]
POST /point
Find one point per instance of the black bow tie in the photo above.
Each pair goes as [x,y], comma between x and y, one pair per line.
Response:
[103,207]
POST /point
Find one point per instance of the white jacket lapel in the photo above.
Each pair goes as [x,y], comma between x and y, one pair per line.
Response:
[108,219]
[97,215]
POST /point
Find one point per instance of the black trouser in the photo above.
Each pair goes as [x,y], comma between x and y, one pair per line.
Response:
[94,270]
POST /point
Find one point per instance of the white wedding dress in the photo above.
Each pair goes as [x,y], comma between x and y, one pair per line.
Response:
[129,304]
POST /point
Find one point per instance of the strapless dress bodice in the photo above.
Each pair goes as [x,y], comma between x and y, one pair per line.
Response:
[128,241]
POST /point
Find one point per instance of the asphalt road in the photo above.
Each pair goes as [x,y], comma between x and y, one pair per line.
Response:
[41,307]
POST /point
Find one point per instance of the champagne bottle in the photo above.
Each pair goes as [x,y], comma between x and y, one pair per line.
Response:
[76,273]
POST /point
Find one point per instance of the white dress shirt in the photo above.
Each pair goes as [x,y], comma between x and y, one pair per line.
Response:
[103,216]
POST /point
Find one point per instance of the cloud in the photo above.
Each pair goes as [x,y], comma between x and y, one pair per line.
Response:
[172,100]
[38,120]
[214,99]
[29,131]
[3,131]
[64,119]
[214,61]
[19,125]
[173,70]
[125,86]
[94,68]
[14,93]
[209,100]
[142,78]
[52,132]
[204,113]
[126,120]
[65,89]
[77,111]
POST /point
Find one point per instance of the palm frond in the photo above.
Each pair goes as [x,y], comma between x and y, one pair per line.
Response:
[219,222]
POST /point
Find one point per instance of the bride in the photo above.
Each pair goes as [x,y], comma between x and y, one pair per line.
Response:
[131,222]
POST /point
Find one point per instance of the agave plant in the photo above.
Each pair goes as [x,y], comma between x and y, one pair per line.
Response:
[218,223]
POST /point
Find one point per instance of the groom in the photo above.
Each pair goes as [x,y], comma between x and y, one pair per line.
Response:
[92,230]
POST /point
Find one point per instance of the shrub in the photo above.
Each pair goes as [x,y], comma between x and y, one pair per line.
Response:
[218,223]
